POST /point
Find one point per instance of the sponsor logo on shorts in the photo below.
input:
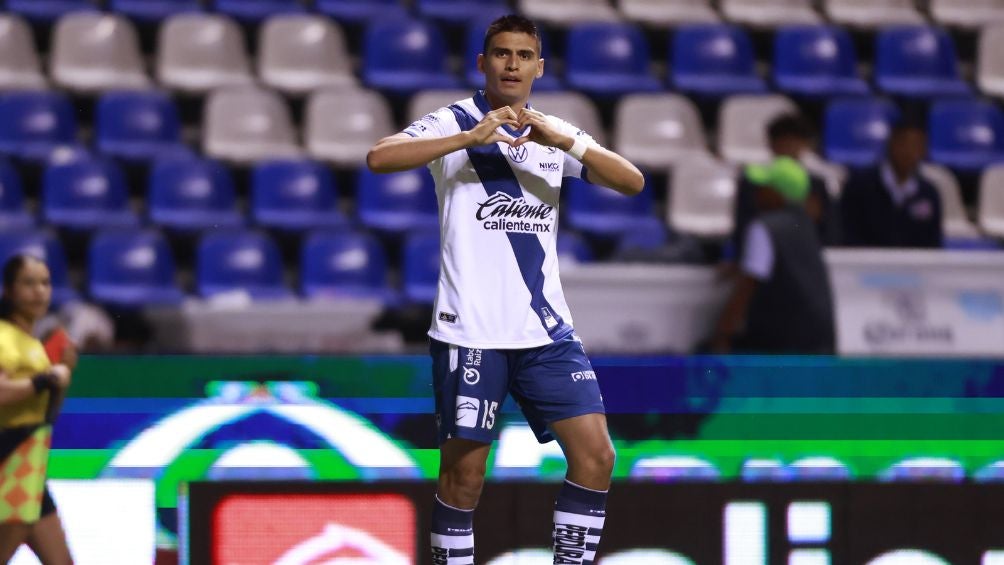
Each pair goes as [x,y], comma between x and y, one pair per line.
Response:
[473,357]
[448,317]
[584,376]
[471,375]
[467,411]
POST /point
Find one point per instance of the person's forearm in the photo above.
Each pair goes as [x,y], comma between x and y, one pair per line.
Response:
[606,168]
[395,154]
[14,391]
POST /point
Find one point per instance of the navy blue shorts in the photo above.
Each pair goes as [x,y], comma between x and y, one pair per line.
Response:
[550,383]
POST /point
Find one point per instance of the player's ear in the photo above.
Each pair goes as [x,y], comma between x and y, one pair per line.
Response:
[481,62]
[540,68]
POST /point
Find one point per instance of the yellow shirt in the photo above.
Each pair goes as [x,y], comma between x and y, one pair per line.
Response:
[21,357]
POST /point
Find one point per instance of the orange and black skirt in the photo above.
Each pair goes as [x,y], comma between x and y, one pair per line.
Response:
[24,456]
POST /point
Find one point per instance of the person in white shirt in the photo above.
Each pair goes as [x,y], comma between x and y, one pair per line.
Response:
[500,323]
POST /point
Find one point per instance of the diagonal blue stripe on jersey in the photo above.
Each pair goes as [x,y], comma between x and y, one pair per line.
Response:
[497,176]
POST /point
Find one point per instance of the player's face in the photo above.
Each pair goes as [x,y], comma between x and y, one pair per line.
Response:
[32,291]
[510,65]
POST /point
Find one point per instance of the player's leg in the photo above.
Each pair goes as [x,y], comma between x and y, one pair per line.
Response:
[461,477]
[11,537]
[47,538]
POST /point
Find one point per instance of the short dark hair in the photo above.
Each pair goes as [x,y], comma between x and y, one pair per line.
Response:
[790,125]
[514,23]
[11,269]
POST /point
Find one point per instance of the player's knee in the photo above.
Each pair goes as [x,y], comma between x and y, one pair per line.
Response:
[604,459]
[464,480]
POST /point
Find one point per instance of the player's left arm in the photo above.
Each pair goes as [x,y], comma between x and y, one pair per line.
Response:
[604,167]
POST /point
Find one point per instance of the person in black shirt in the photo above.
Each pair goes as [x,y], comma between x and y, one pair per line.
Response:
[892,205]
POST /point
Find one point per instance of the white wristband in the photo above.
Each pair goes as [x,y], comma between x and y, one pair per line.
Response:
[578,149]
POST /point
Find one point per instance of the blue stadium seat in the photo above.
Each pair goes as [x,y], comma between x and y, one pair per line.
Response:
[153,11]
[254,11]
[856,130]
[574,247]
[396,202]
[240,261]
[137,125]
[294,194]
[460,11]
[714,60]
[420,269]
[13,214]
[190,194]
[608,59]
[32,124]
[48,10]
[343,263]
[816,61]
[402,55]
[966,134]
[84,192]
[131,268]
[46,247]
[360,11]
[603,212]
[475,44]
[917,61]
[647,235]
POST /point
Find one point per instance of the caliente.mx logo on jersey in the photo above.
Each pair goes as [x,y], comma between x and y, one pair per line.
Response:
[502,212]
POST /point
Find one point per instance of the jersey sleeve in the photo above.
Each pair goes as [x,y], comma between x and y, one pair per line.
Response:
[572,166]
[758,256]
[436,124]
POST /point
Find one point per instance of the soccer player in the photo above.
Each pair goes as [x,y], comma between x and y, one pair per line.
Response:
[28,382]
[500,323]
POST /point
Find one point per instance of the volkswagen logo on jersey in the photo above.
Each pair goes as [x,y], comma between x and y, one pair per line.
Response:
[471,375]
[518,154]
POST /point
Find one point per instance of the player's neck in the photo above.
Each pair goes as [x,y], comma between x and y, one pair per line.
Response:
[496,102]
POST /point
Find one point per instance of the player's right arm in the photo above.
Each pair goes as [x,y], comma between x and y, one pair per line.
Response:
[13,391]
[402,151]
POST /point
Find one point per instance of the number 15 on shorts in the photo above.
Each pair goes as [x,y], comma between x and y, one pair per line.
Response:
[469,409]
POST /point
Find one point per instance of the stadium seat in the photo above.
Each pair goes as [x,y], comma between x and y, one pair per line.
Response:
[872,14]
[460,11]
[918,62]
[742,126]
[645,236]
[603,212]
[769,13]
[48,10]
[248,124]
[663,13]
[608,59]
[428,101]
[137,125]
[656,131]
[92,52]
[131,268]
[243,262]
[967,14]
[396,202]
[13,214]
[197,53]
[966,134]
[856,129]
[575,108]
[567,12]
[365,119]
[254,11]
[33,123]
[294,194]
[420,266]
[990,61]
[816,61]
[344,263]
[713,60]
[153,11]
[84,192]
[991,201]
[403,55]
[701,197]
[572,247]
[298,54]
[360,11]
[191,194]
[48,248]
[20,67]
[954,220]
[474,44]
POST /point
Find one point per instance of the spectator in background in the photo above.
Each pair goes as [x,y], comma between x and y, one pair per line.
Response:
[783,291]
[789,135]
[892,205]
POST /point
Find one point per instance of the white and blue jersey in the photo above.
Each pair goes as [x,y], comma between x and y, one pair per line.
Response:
[498,208]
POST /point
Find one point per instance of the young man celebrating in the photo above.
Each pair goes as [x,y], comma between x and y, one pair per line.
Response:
[500,323]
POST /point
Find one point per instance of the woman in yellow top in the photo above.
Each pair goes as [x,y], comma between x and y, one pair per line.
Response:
[27,381]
